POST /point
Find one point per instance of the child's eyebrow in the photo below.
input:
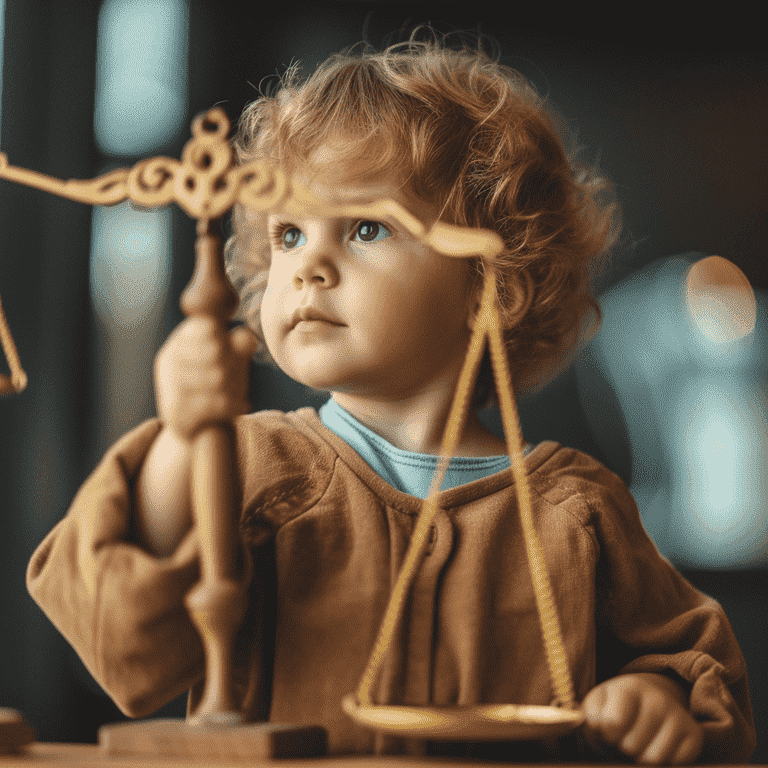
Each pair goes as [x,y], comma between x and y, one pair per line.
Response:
[374,208]
[448,239]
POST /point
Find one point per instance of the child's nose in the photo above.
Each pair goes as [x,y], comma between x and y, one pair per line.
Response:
[317,268]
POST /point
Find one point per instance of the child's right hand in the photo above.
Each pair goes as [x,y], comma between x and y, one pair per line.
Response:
[644,716]
[201,375]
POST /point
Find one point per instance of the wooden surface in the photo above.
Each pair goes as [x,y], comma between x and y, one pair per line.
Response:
[89,755]
[178,738]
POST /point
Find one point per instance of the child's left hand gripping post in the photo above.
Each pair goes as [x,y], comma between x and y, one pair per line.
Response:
[206,184]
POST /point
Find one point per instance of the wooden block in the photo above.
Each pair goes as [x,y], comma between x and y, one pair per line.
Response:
[176,738]
[14,732]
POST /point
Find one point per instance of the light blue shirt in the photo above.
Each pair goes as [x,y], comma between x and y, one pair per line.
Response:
[408,472]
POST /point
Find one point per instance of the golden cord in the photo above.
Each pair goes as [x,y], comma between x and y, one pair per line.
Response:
[487,325]
[420,536]
[18,378]
[550,624]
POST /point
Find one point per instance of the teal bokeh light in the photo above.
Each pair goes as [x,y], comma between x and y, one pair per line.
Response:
[695,414]
[141,75]
[130,265]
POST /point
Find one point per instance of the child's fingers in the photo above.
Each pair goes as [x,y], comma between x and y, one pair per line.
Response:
[644,724]
[189,377]
[649,725]
[658,742]
[201,375]
[216,407]
[199,410]
[689,748]
[676,742]
[210,365]
[244,342]
[609,715]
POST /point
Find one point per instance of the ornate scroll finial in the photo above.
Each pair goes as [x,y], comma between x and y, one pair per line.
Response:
[206,184]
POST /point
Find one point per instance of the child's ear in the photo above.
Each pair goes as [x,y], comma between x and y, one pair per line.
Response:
[520,298]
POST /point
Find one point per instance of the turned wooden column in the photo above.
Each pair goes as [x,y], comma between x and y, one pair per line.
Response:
[217,602]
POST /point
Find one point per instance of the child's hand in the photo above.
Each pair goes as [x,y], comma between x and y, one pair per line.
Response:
[201,375]
[645,717]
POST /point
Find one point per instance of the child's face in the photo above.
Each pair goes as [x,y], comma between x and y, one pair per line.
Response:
[392,313]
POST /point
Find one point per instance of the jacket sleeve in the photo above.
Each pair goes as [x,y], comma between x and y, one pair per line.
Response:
[119,607]
[652,620]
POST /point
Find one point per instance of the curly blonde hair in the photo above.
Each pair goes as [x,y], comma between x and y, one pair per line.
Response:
[473,137]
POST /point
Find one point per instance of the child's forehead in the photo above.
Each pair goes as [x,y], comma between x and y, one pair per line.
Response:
[340,180]
[347,179]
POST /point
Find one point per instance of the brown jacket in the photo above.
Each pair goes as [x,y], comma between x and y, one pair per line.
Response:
[327,537]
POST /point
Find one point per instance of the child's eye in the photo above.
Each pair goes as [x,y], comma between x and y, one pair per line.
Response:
[288,237]
[371,231]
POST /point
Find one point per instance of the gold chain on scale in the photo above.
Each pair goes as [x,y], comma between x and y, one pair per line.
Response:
[482,721]
[17,381]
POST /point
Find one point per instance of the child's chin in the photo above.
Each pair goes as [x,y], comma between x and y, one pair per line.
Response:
[320,383]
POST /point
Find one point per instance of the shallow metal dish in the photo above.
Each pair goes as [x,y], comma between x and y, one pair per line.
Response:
[479,722]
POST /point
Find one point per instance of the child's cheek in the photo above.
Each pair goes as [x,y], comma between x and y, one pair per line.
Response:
[270,315]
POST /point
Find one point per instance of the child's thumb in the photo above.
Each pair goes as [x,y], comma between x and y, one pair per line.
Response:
[244,341]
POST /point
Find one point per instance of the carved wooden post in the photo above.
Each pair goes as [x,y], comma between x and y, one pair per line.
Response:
[206,184]
[217,602]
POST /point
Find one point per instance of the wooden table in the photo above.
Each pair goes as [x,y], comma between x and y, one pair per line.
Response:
[89,755]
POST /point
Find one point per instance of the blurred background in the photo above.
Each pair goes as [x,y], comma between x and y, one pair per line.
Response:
[676,116]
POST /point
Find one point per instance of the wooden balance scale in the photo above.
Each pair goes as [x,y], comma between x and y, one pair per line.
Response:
[206,184]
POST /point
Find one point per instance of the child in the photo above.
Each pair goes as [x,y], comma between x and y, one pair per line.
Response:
[365,311]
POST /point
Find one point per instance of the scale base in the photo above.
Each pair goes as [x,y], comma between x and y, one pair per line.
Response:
[178,738]
[15,733]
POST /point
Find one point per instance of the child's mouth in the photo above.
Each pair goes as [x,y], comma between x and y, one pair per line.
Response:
[308,317]
[315,326]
